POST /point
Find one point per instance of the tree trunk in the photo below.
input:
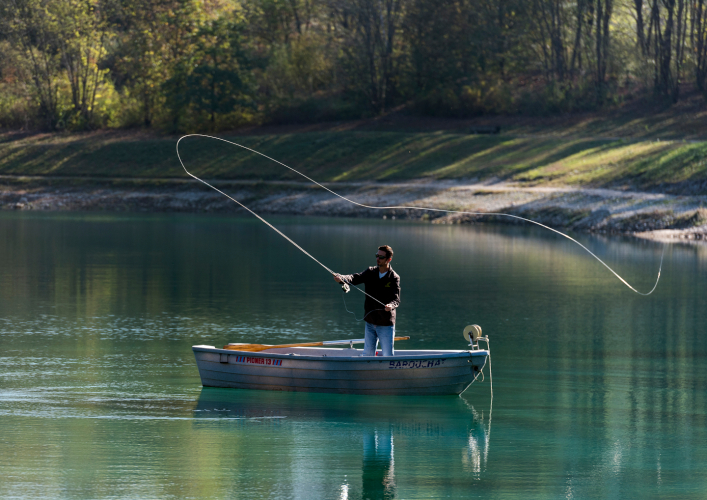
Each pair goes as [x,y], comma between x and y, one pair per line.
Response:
[640,30]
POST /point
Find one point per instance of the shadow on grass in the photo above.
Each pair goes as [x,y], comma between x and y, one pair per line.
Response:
[370,156]
[683,166]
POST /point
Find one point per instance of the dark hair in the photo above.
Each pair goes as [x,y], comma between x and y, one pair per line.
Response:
[388,251]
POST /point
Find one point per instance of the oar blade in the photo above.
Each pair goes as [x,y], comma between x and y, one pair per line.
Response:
[265,347]
[247,347]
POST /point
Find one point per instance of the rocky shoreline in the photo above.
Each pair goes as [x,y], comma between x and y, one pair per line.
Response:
[655,216]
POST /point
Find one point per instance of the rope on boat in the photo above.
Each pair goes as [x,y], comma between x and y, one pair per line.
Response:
[481,372]
[460,212]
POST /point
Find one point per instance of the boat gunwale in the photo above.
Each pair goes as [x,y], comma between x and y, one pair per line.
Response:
[437,354]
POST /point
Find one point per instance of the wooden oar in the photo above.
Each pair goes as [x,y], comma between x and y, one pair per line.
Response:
[265,347]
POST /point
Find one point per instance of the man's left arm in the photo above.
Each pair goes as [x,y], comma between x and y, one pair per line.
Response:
[393,304]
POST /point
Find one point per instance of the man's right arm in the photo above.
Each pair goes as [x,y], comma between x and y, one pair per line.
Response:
[354,279]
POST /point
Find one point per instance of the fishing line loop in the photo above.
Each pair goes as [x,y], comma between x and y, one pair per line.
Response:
[343,297]
[460,212]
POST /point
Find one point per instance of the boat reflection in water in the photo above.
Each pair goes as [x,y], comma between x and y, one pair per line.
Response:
[342,446]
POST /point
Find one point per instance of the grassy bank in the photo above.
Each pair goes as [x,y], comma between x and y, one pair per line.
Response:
[645,164]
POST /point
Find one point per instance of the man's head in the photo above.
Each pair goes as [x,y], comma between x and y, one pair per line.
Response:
[384,255]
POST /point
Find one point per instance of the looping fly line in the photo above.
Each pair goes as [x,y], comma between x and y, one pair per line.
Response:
[460,212]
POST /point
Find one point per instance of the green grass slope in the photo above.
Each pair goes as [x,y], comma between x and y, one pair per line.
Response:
[649,164]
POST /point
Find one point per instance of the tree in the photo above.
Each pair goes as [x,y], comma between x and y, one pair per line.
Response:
[31,29]
[665,43]
[371,48]
[214,79]
[698,40]
[81,37]
[138,60]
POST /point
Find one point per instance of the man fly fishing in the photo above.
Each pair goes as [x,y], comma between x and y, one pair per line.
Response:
[382,298]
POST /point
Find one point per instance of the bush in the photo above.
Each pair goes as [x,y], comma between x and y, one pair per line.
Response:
[17,108]
[565,97]
[469,100]
[313,109]
[16,111]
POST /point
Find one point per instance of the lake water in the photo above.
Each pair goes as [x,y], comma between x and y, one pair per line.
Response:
[597,391]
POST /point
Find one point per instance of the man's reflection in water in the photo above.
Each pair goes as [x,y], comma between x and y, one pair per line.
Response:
[378,481]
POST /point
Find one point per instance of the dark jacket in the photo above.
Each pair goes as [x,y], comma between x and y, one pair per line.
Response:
[385,289]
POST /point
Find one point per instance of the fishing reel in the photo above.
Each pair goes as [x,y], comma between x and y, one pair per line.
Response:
[345,287]
[472,334]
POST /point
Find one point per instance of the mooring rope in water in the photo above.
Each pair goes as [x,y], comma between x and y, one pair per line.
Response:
[460,212]
[481,372]
[488,348]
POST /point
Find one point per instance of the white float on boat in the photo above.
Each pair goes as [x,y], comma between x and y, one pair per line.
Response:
[322,369]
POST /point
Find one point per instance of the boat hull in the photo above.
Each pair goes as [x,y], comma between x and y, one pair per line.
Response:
[341,370]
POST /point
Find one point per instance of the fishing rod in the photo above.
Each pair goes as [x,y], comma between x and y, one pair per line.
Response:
[362,205]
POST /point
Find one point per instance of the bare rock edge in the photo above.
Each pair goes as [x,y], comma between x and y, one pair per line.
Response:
[656,216]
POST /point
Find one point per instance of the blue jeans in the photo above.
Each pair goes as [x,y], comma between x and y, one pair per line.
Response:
[374,333]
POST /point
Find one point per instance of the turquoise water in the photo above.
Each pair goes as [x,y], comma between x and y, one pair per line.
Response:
[597,392]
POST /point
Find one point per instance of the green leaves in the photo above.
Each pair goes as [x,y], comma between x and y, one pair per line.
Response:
[213,80]
[216,64]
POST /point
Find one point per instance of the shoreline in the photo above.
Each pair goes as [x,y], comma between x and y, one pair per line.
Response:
[654,216]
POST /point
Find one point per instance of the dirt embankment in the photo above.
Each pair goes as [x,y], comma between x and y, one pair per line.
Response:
[648,215]
[625,148]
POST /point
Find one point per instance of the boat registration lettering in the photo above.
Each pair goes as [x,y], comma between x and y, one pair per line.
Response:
[258,361]
[423,363]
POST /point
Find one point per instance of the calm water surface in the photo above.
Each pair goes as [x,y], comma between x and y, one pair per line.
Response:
[598,392]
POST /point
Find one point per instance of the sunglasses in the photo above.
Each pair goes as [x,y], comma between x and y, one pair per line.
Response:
[381,256]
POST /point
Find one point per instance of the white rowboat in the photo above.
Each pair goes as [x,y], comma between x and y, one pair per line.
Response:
[336,370]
